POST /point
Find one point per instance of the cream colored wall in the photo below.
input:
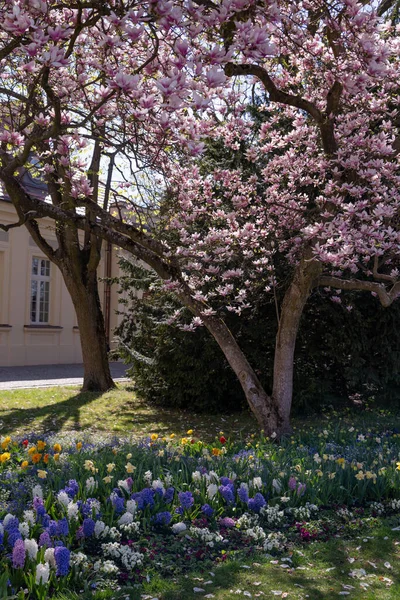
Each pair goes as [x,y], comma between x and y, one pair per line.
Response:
[21,344]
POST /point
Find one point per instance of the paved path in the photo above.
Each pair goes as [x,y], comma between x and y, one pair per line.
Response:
[12,378]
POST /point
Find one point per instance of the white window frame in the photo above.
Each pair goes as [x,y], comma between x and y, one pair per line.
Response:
[40,312]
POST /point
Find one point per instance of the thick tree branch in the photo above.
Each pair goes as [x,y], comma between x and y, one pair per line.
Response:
[31,214]
[386,297]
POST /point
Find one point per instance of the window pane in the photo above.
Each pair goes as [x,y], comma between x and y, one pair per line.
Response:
[33,300]
[35,264]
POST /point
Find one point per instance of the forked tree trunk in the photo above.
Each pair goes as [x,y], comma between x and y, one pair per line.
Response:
[86,301]
[305,277]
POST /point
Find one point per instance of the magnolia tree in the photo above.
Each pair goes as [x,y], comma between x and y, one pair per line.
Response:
[101,93]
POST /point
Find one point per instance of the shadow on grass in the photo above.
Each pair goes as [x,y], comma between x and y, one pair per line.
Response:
[51,417]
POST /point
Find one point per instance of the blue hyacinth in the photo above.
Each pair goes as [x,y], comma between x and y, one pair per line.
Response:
[62,557]
[62,527]
[163,518]
[88,527]
[256,503]
[186,500]
[228,493]
[207,510]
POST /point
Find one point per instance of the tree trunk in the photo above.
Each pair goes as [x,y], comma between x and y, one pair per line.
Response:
[305,277]
[85,297]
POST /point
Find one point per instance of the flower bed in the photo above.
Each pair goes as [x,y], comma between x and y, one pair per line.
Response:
[81,516]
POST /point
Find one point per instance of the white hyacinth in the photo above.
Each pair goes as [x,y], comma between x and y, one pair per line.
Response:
[212,489]
[24,529]
[31,548]
[131,506]
[178,527]
[125,519]
[72,510]
[37,492]
[63,498]
[29,517]
[42,573]
[49,557]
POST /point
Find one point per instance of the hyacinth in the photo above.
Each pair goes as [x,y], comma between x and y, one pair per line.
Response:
[169,495]
[243,493]
[18,554]
[71,488]
[13,536]
[207,510]
[186,500]
[256,503]
[31,548]
[45,540]
[88,527]
[62,558]
[62,527]
[52,528]
[42,573]
[163,518]
[228,493]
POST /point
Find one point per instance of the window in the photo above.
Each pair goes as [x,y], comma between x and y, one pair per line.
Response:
[40,290]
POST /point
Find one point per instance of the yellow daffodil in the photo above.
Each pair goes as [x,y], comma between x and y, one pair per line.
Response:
[107,479]
[154,437]
[184,441]
[6,442]
[57,448]
[24,464]
[42,474]
[41,445]
[398,466]
[189,432]
[172,436]
[110,467]
[130,468]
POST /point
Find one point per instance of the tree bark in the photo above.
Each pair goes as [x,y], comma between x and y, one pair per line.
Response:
[86,301]
[305,278]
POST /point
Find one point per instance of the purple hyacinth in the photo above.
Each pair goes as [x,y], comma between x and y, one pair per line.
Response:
[243,494]
[256,503]
[169,495]
[45,540]
[72,488]
[18,554]
[62,557]
[292,483]
[301,488]
[207,510]
[88,527]
[52,528]
[225,481]
[227,492]
[186,500]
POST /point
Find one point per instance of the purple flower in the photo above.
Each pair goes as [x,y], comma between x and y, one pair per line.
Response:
[163,518]
[227,492]
[169,495]
[207,510]
[45,540]
[1,541]
[256,503]
[292,483]
[37,502]
[18,554]
[227,522]
[243,494]
[225,481]
[301,488]
[52,528]
[118,504]
[62,557]
[88,527]
[186,500]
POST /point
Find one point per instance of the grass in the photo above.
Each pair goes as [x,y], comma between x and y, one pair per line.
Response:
[117,411]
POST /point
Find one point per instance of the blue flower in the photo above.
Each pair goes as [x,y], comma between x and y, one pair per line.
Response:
[186,500]
[88,527]
[12,524]
[13,536]
[62,527]
[72,488]
[256,503]
[169,495]
[243,494]
[52,528]
[45,540]
[207,510]
[163,518]
[228,493]
[225,481]
[62,557]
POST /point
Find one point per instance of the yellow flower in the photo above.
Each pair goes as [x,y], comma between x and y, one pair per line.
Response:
[172,436]
[319,473]
[5,443]
[24,464]
[190,432]
[398,466]
[184,441]
[89,466]
[110,467]
[4,457]
[57,448]
[41,445]
[332,475]
[360,476]
[36,457]
[79,446]
[107,479]
[42,474]
[298,468]
[128,456]
[370,475]
[56,456]
[154,437]
[216,451]
[32,450]
[130,468]
[341,462]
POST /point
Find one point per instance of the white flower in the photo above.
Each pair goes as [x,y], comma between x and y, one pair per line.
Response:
[168,480]
[99,528]
[213,476]
[125,519]
[148,477]
[24,529]
[29,517]
[63,498]
[42,573]
[49,557]
[91,484]
[131,506]
[37,492]
[196,476]
[122,483]
[31,547]
[1,529]
[276,484]
[212,489]
[73,510]
[178,527]
[158,485]
[257,483]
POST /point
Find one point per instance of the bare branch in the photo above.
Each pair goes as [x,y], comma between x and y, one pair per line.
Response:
[31,214]
[386,297]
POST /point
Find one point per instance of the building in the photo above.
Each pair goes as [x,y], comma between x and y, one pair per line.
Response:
[37,319]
